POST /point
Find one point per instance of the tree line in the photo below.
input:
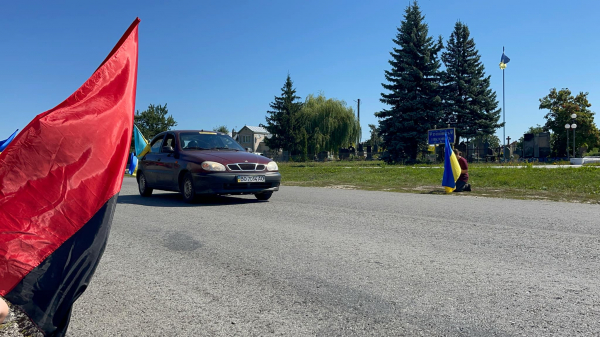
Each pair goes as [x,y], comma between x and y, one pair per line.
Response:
[419,96]
[309,127]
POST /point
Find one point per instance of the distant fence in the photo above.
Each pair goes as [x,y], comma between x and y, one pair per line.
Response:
[342,154]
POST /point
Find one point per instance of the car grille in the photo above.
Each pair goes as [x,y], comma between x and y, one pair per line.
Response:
[249,186]
[246,167]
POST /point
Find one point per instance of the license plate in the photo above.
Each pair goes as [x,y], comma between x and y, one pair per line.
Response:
[250,179]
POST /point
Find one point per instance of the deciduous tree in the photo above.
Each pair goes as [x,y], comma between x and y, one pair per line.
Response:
[154,120]
[561,105]
[329,124]
[221,128]
[375,139]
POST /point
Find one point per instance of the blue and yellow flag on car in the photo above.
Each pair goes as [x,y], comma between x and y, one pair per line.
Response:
[4,143]
[141,144]
[133,164]
[451,168]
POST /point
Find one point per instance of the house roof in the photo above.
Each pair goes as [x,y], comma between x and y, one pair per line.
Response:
[256,129]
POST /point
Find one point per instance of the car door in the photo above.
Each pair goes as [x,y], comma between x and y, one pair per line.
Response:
[167,166]
[149,161]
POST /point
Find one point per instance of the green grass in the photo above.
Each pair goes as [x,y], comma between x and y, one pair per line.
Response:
[526,182]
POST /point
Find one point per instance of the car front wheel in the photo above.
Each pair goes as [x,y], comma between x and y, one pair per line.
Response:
[263,196]
[145,191]
[187,188]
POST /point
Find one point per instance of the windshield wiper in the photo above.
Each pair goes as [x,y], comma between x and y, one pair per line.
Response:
[195,148]
[224,148]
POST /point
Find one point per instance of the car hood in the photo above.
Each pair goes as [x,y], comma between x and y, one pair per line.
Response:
[226,157]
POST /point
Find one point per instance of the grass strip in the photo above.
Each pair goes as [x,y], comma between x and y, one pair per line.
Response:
[522,182]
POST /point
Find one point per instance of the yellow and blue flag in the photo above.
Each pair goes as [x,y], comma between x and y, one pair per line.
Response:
[504,60]
[4,143]
[133,164]
[141,144]
[451,168]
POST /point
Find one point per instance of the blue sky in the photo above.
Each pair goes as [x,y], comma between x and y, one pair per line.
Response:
[222,62]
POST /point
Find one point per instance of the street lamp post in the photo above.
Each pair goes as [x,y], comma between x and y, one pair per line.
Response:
[574,126]
[567,127]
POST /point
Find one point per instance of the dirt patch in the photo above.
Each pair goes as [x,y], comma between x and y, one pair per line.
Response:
[427,188]
[342,187]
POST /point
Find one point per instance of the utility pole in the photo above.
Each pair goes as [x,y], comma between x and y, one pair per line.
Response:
[359,111]
[359,135]
[358,114]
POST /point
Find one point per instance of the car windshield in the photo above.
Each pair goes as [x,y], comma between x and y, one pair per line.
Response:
[208,141]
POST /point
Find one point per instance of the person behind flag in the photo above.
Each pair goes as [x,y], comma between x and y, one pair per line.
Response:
[462,184]
[451,168]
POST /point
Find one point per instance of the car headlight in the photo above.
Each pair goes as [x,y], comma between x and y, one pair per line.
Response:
[213,166]
[272,166]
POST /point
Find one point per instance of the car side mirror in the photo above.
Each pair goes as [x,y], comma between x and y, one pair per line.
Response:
[168,149]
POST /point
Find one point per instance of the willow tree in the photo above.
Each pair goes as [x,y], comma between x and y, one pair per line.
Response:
[329,124]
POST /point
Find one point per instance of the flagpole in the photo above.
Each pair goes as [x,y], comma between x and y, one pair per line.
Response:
[503,113]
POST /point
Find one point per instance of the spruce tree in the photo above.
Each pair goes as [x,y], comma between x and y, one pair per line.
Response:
[283,121]
[414,93]
[467,97]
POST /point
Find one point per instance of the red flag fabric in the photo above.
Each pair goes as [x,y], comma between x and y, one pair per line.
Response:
[62,173]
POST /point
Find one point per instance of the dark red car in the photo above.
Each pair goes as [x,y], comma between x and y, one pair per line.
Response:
[205,163]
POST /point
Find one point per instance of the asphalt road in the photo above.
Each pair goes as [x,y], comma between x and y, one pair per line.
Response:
[331,262]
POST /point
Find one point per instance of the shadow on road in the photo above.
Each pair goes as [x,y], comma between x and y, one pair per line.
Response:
[175,200]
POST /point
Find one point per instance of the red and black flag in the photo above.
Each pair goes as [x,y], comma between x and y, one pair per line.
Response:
[59,182]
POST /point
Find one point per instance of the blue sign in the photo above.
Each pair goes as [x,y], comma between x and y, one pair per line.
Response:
[437,136]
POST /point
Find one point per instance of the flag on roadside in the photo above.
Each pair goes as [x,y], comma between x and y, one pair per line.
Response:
[59,185]
[133,162]
[141,144]
[504,60]
[451,168]
[4,143]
